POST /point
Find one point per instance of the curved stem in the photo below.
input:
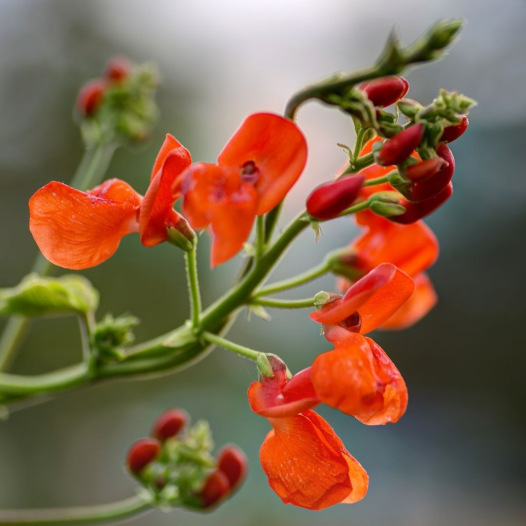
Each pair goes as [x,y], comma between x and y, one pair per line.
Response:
[193,284]
[81,515]
[377,180]
[295,281]
[283,304]
[251,354]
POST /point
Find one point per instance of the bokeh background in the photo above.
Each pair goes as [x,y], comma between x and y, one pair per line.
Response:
[457,456]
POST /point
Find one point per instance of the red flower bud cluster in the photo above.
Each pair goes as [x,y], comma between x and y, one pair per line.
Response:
[92,93]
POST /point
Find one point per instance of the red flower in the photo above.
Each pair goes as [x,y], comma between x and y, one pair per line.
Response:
[412,248]
[78,230]
[305,462]
[254,172]
[370,302]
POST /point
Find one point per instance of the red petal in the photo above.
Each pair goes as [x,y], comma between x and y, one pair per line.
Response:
[278,149]
[306,463]
[416,307]
[171,146]
[359,379]
[157,212]
[412,248]
[78,230]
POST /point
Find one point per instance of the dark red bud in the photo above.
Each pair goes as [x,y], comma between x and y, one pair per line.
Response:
[416,211]
[216,487]
[424,169]
[233,463]
[453,132]
[141,453]
[329,200]
[385,91]
[90,96]
[401,146]
[169,423]
[427,188]
[117,69]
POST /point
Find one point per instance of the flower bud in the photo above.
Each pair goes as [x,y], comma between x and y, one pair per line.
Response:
[409,107]
[453,132]
[141,453]
[418,210]
[329,200]
[386,90]
[401,146]
[216,488]
[168,424]
[424,169]
[90,97]
[430,186]
[233,463]
[117,69]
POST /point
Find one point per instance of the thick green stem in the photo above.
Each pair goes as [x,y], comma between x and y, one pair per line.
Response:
[260,236]
[81,515]
[90,172]
[193,284]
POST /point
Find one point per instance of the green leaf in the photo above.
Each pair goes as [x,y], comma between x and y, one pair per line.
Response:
[38,296]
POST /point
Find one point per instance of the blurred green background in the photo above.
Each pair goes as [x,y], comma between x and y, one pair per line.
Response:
[457,456]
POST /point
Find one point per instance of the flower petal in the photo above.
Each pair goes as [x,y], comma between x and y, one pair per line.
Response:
[306,463]
[171,146]
[78,230]
[278,149]
[359,379]
[416,307]
[157,212]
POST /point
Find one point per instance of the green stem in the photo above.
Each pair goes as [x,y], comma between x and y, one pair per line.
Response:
[364,205]
[378,180]
[295,281]
[251,354]
[193,284]
[90,172]
[260,236]
[81,515]
[283,304]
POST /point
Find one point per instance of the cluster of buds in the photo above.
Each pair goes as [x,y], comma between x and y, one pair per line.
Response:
[120,102]
[415,157]
[175,465]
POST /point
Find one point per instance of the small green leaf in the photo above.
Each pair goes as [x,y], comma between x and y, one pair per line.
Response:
[38,296]
[259,311]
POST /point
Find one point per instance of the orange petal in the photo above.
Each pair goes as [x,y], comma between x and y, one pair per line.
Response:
[78,230]
[171,146]
[156,211]
[416,307]
[216,196]
[306,463]
[278,149]
[359,379]
[412,248]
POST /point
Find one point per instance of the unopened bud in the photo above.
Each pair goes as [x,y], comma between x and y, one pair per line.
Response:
[330,199]
[424,169]
[384,209]
[168,424]
[409,107]
[90,97]
[430,186]
[233,463]
[386,90]
[141,453]
[453,132]
[117,69]
[416,211]
[401,146]
[215,489]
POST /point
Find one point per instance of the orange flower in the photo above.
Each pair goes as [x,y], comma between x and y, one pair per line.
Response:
[305,462]
[78,230]
[359,379]
[413,248]
[371,301]
[254,172]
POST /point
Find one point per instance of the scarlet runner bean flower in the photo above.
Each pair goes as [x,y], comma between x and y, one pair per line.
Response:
[306,463]
[254,172]
[412,248]
[78,230]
